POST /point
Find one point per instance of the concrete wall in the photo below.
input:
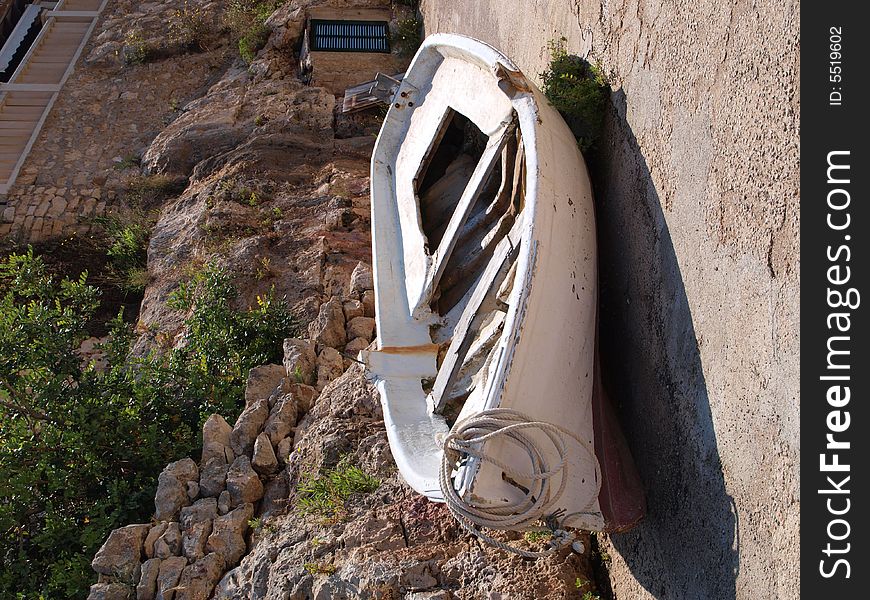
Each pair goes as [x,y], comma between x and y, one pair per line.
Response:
[697,188]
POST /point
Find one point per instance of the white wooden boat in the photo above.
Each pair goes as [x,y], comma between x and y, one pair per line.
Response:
[485,278]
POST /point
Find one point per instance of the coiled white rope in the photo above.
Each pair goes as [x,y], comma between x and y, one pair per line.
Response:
[466,439]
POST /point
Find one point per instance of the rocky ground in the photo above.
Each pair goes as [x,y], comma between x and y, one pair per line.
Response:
[696,182]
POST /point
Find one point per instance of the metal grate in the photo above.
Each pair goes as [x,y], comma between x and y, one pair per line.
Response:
[349,36]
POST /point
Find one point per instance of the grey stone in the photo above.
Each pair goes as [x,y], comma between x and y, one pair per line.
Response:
[168,576]
[282,419]
[199,579]
[328,328]
[329,366]
[248,427]
[215,438]
[361,327]
[172,488]
[299,360]
[147,587]
[122,552]
[227,536]
[169,543]
[264,461]
[361,279]
[243,484]
[262,381]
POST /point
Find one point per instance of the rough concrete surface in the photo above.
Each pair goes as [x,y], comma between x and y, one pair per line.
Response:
[697,188]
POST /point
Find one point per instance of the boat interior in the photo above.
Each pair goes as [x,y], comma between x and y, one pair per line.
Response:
[469,187]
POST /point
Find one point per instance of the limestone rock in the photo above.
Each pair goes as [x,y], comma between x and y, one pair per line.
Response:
[172,488]
[227,535]
[198,580]
[299,360]
[147,587]
[356,345]
[122,552]
[242,482]
[379,531]
[275,496]
[213,477]
[361,327]
[153,535]
[329,366]
[305,395]
[281,420]
[328,328]
[110,591]
[262,381]
[215,438]
[353,309]
[201,510]
[192,490]
[248,427]
[206,129]
[224,502]
[287,24]
[361,279]
[168,576]
[285,447]
[264,461]
[168,544]
[368,302]
[195,538]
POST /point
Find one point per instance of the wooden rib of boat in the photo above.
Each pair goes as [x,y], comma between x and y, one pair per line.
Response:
[485,278]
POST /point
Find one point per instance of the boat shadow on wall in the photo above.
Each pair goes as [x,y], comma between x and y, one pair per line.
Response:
[688,545]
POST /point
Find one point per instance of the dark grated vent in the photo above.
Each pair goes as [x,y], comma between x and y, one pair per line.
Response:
[349,36]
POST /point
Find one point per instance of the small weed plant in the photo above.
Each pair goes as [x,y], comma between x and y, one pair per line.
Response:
[578,90]
[325,494]
[246,20]
[534,537]
[136,50]
[313,568]
[127,238]
[409,35]
[191,27]
[147,191]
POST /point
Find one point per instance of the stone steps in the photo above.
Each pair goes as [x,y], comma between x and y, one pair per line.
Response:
[28,97]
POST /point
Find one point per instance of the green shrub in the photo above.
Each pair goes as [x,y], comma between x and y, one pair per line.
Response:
[578,90]
[246,20]
[81,447]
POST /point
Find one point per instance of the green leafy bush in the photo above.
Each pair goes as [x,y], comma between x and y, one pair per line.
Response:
[578,90]
[246,20]
[82,447]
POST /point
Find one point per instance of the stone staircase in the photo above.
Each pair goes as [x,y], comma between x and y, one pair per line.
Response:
[27,98]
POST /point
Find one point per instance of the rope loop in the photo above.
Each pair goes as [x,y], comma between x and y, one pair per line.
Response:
[466,440]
